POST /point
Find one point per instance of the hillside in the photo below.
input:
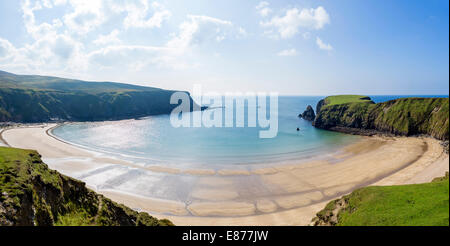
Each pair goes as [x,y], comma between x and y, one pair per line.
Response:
[405,116]
[28,98]
[32,194]
[404,205]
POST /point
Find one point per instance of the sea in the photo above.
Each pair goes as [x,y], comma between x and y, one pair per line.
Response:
[155,141]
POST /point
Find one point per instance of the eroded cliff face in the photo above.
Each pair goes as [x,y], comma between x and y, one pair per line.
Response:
[405,116]
[33,99]
[319,106]
[32,194]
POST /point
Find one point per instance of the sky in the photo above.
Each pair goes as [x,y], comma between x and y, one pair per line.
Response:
[302,47]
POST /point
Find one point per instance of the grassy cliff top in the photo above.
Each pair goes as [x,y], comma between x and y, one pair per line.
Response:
[33,194]
[404,205]
[48,83]
[404,116]
[341,99]
[33,98]
[17,166]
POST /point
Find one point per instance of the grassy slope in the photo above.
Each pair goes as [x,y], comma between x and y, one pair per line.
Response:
[406,116]
[405,205]
[32,194]
[47,83]
[341,99]
[413,115]
[27,98]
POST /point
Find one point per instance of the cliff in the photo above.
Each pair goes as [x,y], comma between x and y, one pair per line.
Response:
[32,194]
[28,98]
[405,116]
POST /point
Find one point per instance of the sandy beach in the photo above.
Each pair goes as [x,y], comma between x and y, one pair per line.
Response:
[276,195]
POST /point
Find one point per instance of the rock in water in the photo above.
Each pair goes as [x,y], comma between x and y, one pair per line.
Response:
[309,114]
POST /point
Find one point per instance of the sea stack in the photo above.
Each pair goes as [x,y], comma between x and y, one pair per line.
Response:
[309,114]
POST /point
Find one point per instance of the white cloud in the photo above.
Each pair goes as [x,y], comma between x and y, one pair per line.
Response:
[108,39]
[290,52]
[59,2]
[199,29]
[142,13]
[322,45]
[192,32]
[52,46]
[289,24]
[87,15]
[263,9]
[80,39]
[47,3]
[262,5]
[38,30]
[6,49]
[58,54]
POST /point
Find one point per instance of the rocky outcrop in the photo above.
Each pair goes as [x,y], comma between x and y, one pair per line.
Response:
[309,114]
[32,194]
[405,116]
[330,215]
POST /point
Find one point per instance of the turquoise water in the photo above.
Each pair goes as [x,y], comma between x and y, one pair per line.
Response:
[153,140]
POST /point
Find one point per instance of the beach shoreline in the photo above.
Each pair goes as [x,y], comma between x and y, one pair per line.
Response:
[298,190]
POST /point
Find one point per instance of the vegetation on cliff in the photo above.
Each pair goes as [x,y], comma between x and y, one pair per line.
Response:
[27,98]
[404,205]
[405,116]
[32,194]
[341,99]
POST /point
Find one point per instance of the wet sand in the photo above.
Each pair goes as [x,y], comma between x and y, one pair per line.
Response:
[288,194]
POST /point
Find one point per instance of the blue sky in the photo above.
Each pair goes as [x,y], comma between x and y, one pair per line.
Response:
[292,47]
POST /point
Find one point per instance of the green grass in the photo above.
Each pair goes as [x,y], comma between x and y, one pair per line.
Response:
[47,83]
[33,194]
[75,219]
[15,172]
[341,99]
[406,205]
[76,216]
[404,116]
[28,98]
[414,115]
